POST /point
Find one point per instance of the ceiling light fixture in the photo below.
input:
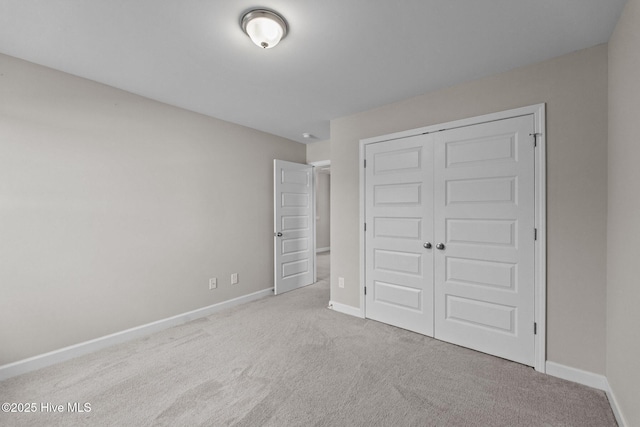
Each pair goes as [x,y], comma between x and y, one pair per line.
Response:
[264,27]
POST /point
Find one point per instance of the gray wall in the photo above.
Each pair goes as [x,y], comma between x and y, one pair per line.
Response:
[318,151]
[623,272]
[575,90]
[115,210]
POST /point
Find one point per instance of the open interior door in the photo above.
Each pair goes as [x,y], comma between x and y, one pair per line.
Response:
[294,226]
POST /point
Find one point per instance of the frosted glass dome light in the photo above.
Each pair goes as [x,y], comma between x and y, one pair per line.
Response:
[264,27]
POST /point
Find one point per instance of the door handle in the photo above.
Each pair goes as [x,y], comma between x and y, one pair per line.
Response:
[278,234]
[427,245]
[440,246]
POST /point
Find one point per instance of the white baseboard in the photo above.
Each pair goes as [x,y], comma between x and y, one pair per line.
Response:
[615,408]
[589,379]
[66,353]
[577,376]
[622,422]
[346,309]
[327,249]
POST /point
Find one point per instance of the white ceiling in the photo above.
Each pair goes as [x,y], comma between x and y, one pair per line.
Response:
[340,57]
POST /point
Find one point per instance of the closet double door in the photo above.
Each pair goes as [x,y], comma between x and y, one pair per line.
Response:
[449,240]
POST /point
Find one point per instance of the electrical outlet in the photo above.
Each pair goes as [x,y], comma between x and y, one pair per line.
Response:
[213,283]
[234,278]
[341,282]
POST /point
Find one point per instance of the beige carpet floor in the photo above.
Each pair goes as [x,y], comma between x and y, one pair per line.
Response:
[290,361]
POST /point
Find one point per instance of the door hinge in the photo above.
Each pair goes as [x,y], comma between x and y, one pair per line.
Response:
[365,226]
[365,290]
[535,138]
[535,234]
[365,163]
[535,328]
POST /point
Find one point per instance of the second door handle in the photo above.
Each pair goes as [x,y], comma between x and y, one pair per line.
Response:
[440,246]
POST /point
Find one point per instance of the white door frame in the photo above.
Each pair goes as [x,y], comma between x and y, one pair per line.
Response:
[320,163]
[540,281]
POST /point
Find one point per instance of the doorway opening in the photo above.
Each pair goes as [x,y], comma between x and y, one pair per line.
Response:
[322,170]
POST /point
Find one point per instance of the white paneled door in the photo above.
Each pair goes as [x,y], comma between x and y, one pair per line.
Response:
[399,206]
[294,226]
[449,245]
[484,219]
